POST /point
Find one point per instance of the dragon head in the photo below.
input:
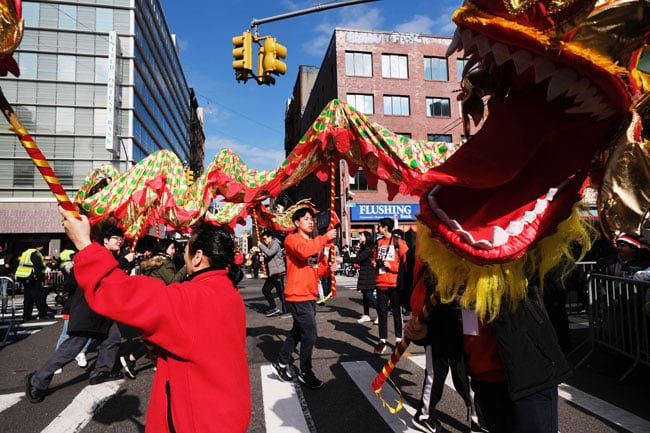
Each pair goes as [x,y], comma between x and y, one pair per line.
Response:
[11,33]
[562,86]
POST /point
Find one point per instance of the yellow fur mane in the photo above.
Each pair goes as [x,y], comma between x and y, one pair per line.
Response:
[486,287]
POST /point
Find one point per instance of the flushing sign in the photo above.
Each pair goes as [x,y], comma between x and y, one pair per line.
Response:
[373,212]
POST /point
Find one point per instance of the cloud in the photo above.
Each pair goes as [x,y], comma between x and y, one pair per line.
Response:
[260,158]
[361,17]
[418,24]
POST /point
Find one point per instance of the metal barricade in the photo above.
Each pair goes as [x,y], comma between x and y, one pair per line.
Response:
[619,318]
[576,293]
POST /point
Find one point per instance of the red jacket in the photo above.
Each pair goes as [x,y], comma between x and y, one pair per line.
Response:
[387,277]
[302,270]
[200,324]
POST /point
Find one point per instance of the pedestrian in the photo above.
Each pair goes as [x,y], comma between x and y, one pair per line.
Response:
[84,322]
[239,261]
[366,279]
[389,251]
[160,266]
[202,381]
[31,273]
[628,261]
[305,262]
[7,269]
[273,252]
[255,262]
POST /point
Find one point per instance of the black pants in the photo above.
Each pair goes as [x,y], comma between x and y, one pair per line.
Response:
[536,413]
[34,294]
[437,367]
[383,296]
[303,332]
[368,301]
[276,281]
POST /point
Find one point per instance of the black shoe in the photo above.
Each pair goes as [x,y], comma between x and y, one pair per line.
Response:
[380,348]
[34,394]
[129,366]
[283,372]
[308,379]
[272,312]
[429,425]
[105,376]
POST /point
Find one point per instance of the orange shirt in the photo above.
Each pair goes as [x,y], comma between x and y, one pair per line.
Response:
[303,269]
[387,277]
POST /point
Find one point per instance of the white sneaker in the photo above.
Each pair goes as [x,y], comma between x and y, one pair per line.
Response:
[376,322]
[59,371]
[81,360]
[364,318]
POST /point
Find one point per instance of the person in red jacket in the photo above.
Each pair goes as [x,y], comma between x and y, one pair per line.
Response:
[202,381]
[388,253]
[305,263]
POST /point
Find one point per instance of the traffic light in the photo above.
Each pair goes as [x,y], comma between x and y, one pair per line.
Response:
[271,52]
[243,55]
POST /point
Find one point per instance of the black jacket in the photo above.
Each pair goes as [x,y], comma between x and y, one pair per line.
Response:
[83,320]
[366,279]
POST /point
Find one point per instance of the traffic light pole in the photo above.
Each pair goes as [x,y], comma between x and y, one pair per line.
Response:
[317,8]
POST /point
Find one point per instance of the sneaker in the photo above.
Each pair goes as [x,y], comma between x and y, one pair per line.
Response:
[59,371]
[81,360]
[34,394]
[476,428]
[129,366]
[376,322]
[364,318]
[285,316]
[308,379]
[105,376]
[430,425]
[272,312]
[380,348]
[397,341]
[282,371]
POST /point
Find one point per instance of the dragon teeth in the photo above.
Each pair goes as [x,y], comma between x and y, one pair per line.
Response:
[560,83]
[483,45]
[522,60]
[456,43]
[501,53]
[544,68]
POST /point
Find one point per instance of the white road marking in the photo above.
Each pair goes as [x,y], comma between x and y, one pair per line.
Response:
[363,375]
[421,361]
[8,400]
[282,411]
[78,413]
[605,410]
[30,324]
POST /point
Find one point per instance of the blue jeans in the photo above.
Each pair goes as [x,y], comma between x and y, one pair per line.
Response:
[64,336]
[4,287]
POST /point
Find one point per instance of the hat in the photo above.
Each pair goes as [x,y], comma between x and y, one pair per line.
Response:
[628,239]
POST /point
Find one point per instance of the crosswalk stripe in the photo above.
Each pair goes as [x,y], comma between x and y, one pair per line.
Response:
[8,400]
[78,413]
[282,409]
[362,374]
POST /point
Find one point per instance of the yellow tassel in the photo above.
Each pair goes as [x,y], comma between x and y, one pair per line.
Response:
[486,287]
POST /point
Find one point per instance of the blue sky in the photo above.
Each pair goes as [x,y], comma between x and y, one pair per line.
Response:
[249,118]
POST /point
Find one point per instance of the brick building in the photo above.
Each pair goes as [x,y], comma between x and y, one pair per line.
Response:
[401,81]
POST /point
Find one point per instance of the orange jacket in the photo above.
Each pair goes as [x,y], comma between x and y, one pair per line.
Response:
[303,270]
[387,277]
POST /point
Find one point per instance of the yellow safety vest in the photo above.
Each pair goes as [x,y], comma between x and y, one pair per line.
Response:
[66,257]
[26,267]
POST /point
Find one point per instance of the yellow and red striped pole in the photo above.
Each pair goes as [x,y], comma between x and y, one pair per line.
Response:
[384,375]
[332,219]
[257,234]
[37,157]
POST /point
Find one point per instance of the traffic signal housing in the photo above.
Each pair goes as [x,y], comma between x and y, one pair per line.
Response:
[243,55]
[272,51]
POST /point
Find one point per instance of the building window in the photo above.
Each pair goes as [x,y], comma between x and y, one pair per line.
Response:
[64,170]
[23,173]
[396,105]
[460,65]
[439,137]
[30,15]
[359,182]
[67,17]
[358,64]
[394,66]
[362,103]
[404,134]
[64,120]
[101,70]
[438,107]
[103,20]
[28,65]
[435,68]
[66,67]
